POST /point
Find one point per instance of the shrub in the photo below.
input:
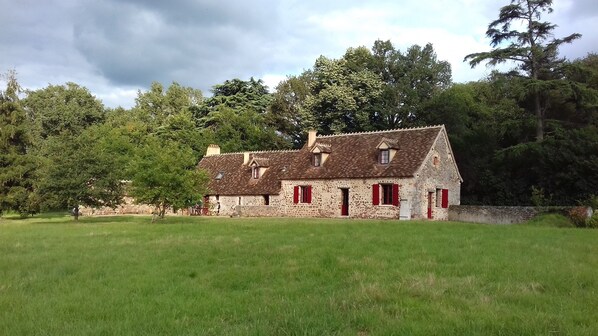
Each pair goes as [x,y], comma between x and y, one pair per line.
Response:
[593,222]
[579,216]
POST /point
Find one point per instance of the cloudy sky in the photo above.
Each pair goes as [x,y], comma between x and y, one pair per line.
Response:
[116,47]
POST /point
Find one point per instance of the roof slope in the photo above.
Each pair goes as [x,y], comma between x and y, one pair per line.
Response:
[355,155]
[236,177]
[352,155]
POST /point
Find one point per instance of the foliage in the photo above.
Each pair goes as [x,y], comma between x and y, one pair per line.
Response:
[364,90]
[156,105]
[551,220]
[59,109]
[287,112]
[84,169]
[17,165]
[235,117]
[579,216]
[164,175]
[530,48]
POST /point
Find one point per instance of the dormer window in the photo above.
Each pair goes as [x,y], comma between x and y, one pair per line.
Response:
[255,171]
[317,159]
[220,175]
[387,149]
[384,156]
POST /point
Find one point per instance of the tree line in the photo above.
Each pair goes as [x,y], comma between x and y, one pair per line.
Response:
[526,136]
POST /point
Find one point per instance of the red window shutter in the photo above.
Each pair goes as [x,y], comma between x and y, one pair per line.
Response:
[296,194]
[395,194]
[375,194]
[308,194]
[445,198]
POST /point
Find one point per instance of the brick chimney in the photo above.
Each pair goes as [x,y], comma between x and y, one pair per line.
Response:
[311,137]
[213,150]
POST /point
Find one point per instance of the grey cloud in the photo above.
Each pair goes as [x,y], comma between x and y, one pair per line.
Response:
[198,43]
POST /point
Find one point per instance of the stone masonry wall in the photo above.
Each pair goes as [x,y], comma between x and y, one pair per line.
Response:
[500,214]
[127,208]
[327,196]
[441,175]
[229,204]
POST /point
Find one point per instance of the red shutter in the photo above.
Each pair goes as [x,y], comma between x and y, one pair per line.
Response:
[395,194]
[308,194]
[296,194]
[375,194]
[445,198]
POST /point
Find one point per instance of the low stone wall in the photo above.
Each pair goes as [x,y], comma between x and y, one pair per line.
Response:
[498,214]
[256,211]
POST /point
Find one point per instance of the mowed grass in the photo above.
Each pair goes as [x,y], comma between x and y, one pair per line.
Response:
[211,276]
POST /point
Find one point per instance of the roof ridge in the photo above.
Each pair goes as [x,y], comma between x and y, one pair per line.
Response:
[384,131]
[259,152]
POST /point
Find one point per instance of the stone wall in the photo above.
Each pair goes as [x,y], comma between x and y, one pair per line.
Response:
[257,211]
[499,214]
[127,208]
[439,173]
[228,204]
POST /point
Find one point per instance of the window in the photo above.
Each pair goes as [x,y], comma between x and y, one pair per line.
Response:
[438,197]
[390,194]
[384,156]
[255,172]
[305,194]
[436,161]
[220,175]
[266,199]
[386,194]
[302,194]
[239,200]
[317,159]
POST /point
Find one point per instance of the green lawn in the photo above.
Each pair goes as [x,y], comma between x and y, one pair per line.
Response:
[209,276]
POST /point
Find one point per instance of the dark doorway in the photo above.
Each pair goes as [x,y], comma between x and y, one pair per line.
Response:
[345,202]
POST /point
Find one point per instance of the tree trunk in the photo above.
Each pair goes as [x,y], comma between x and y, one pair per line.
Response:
[539,118]
[76,213]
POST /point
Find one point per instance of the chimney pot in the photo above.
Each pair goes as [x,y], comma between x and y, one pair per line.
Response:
[213,150]
[311,137]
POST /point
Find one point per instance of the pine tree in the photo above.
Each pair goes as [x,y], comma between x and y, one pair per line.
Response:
[16,164]
[533,48]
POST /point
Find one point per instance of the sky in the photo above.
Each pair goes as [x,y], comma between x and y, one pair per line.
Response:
[117,47]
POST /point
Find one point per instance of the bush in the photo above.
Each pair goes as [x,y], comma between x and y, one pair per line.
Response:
[579,216]
[593,222]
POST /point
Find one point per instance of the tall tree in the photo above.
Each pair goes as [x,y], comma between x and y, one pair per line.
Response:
[58,109]
[411,78]
[287,112]
[17,165]
[154,106]
[531,47]
[83,169]
[164,174]
[235,117]
[342,96]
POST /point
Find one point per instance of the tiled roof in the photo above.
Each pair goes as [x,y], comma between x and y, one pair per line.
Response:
[237,179]
[352,155]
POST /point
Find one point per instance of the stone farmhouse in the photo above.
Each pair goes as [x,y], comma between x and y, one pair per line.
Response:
[402,173]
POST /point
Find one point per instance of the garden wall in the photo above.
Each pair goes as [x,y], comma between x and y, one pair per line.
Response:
[499,214]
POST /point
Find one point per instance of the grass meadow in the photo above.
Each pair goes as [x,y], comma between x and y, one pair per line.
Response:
[213,276]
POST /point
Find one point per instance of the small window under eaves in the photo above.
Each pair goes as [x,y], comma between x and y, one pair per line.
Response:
[220,176]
